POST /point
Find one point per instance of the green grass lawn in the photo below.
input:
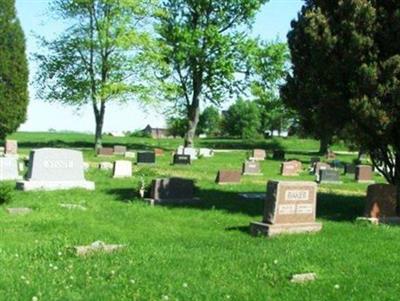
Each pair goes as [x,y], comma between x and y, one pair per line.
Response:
[191,253]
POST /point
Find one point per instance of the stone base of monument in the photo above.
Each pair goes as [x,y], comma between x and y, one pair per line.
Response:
[392,220]
[188,201]
[54,185]
[263,229]
[329,182]
[252,174]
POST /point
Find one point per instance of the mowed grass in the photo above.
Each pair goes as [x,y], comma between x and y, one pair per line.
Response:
[191,253]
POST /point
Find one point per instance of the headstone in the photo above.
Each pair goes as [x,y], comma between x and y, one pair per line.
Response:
[146,157]
[129,154]
[206,152]
[278,155]
[159,151]
[122,169]
[350,168]
[119,150]
[259,154]
[329,176]
[53,169]
[181,159]
[9,169]
[381,201]
[106,166]
[290,207]
[363,174]
[320,166]
[105,151]
[11,147]
[251,168]
[330,155]
[172,190]
[228,177]
[291,168]
[192,152]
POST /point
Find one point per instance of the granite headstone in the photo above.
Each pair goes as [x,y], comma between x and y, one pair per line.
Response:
[251,168]
[122,169]
[146,157]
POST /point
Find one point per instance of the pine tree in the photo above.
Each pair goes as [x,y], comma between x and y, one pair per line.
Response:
[14,75]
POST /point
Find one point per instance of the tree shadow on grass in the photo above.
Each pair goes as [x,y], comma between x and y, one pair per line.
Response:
[235,144]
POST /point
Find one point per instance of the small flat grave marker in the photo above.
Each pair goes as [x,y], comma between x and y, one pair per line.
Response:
[251,168]
[181,159]
[228,177]
[55,169]
[291,168]
[19,211]
[146,157]
[97,247]
[122,169]
[290,207]
[73,206]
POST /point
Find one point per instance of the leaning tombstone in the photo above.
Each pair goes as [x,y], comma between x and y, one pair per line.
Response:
[105,151]
[172,190]
[11,148]
[146,157]
[251,168]
[380,206]
[9,169]
[54,169]
[363,174]
[206,152]
[228,177]
[258,155]
[278,155]
[291,168]
[329,176]
[192,152]
[181,160]
[290,207]
[122,169]
[119,150]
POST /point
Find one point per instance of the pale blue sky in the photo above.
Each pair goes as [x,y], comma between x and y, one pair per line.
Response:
[273,21]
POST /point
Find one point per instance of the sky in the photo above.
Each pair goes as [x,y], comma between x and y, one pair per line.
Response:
[272,22]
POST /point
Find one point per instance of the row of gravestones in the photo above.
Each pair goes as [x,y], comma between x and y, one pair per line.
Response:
[325,173]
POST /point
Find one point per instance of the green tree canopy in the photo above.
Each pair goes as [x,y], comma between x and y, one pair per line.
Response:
[14,76]
[209,122]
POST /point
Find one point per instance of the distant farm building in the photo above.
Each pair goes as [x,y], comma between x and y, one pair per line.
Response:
[155,133]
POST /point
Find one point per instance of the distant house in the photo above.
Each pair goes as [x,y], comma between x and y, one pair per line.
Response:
[155,133]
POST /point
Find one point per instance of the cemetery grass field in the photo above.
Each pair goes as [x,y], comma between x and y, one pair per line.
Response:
[191,253]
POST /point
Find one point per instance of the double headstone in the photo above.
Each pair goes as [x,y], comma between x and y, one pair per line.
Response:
[259,154]
[278,155]
[119,150]
[146,157]
[11,148]
[329,176]
[290,207]
[228,177]
[53,169]
[172,190]
[363,174]
[251,168]
[9,169]
[181,159]
[291,168]
[122,169]
[105,151]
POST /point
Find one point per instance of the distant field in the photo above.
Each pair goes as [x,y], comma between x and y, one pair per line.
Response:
[193,252]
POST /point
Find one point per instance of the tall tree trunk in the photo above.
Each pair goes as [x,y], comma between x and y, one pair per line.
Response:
[99,118]
[323,145]
[193,120]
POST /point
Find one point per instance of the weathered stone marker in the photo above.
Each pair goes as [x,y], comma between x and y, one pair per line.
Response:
[329,176]
[11,147]
[251,168]
[363,174]
[54,169]
[181,159]
[291,168]
[122,169]
[228,177]
[9,169]
[105,151]
[290,207]
[172,190]
[259,154]
[278,155]
[119,150]
[146,157]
